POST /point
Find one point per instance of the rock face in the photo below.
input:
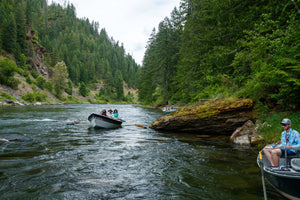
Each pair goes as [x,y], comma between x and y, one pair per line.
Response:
[214,117]
[37,59]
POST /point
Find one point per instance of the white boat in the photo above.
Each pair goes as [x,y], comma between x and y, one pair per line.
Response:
[101,121]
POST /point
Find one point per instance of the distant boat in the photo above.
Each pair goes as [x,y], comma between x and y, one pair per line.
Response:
[101,121]
[286,180]
[170,110]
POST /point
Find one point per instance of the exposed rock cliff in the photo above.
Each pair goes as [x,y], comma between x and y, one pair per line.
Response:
[215,117]
[37,55]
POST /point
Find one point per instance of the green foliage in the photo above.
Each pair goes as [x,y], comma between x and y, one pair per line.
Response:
[7,70]
[28,80]
[270,63]
[71,99]
[83,90]
[40,82]
[60,78]
[69,89]
[48,85]
[34,97]
[34,73]
[8,33]
[217,49]
[13,83]
[90,56]
[4,95]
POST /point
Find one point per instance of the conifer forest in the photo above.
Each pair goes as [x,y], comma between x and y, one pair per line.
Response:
[203,50]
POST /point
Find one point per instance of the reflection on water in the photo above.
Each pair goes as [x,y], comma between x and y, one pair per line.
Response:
[53,160]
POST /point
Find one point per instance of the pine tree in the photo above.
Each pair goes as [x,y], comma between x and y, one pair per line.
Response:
[9,33]
[60,78]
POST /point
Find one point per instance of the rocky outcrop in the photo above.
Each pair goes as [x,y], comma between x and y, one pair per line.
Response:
[37,58]
[246,135]
[214,117]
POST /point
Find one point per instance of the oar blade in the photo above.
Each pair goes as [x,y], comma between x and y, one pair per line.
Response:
[140,126]
[73,123]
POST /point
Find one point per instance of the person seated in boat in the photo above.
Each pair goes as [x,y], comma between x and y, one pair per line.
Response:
[116,114]
[103,112]
[290,139]
[110,113]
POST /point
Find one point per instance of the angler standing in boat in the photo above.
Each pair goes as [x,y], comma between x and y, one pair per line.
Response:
[290,139]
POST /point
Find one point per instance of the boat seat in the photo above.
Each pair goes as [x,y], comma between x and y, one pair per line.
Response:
[289,158]
[295,163]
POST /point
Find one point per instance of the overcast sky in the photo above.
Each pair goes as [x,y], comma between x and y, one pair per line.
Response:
[128,21]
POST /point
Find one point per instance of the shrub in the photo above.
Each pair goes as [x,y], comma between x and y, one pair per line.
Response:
[34,73]
[7,70]
[40,82]
[69,89]
[28,80]
[49,86]
[83,90]
[34,97]
[13,83]
[4,95]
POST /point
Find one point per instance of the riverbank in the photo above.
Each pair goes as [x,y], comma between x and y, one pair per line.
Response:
[28,94]
[267,124]
[247,125]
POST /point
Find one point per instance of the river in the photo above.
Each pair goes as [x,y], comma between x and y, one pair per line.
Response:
[49,159]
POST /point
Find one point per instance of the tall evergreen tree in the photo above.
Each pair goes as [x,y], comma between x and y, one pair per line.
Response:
[20,25]
[9,33]
[60,78]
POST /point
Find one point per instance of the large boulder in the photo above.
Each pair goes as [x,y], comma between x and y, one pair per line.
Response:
[214,117]
[246,135]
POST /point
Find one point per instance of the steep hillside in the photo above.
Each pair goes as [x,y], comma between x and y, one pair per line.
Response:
[48,54]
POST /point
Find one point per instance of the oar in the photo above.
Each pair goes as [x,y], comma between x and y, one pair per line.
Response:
[73,123]
[262,175]
[138,125]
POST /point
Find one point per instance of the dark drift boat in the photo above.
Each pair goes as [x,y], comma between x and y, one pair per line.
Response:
[286,178]
[101,121]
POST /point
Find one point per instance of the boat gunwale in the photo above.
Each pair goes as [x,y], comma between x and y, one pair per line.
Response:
[108,119]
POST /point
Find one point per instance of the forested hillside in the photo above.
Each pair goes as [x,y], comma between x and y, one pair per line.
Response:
[223,48]
[91,57]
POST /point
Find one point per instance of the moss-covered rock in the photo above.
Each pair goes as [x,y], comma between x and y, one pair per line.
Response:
[214,117]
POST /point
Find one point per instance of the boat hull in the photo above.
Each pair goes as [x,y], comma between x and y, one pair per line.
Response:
[100,121]
[286,185]
[285,181]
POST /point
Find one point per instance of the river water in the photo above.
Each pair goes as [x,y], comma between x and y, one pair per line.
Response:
[49,159]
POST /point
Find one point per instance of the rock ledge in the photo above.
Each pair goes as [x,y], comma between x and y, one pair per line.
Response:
[214,117]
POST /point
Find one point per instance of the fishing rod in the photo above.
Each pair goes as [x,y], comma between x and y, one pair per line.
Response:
[261,163]
[296,5]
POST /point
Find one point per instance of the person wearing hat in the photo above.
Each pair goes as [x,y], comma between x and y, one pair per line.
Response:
[110,113]
[290,139]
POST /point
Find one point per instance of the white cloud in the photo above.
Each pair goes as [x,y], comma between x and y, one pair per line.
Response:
[130,22]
